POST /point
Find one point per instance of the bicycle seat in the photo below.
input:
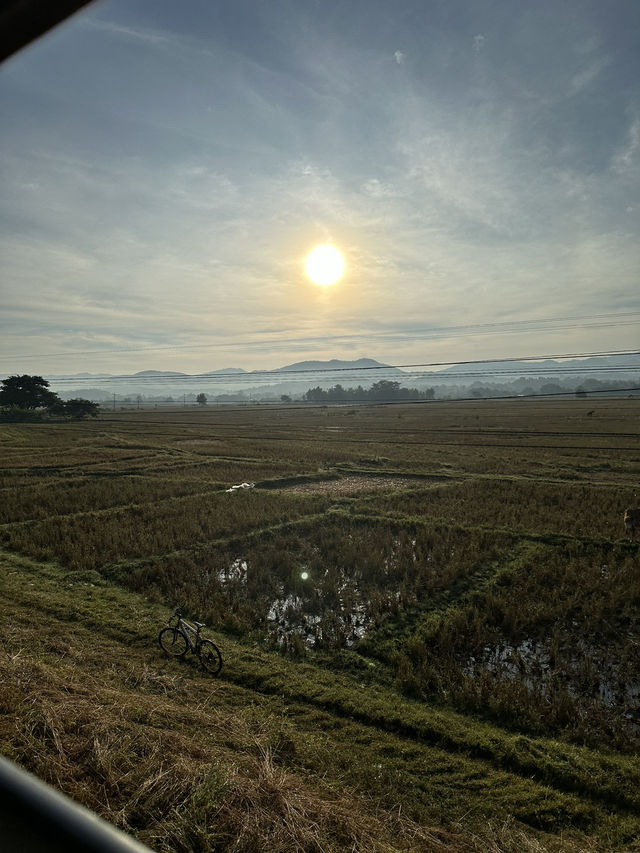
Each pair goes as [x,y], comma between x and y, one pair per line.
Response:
[199,624]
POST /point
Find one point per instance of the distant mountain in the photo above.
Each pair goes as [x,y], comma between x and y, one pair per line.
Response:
[158,373]
[90,375]
[337,364]
[598,366]
[571,366]
[78,376]
[225,370]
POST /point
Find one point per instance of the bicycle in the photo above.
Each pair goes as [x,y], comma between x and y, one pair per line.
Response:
[178,639]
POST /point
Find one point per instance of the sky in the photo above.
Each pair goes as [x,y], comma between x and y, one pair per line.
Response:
[167,167]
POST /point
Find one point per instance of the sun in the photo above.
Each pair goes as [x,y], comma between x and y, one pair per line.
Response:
[325,265]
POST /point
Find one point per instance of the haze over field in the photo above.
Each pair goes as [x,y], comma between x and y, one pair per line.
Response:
[607,372]
[169,167]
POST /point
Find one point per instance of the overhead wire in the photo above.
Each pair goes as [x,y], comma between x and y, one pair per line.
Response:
[165,377]
[625,318]
[386,436]
[273,406]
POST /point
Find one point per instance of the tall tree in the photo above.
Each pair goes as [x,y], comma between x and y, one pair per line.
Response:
[27,392]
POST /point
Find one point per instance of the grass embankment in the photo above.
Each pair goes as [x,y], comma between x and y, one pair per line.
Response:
[274,755]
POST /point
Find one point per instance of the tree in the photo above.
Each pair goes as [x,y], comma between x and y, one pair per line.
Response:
[315,395]
[27,392]
[338,393]
[385,390]
[201,399]
[285,398]
[551,388]
[79,408]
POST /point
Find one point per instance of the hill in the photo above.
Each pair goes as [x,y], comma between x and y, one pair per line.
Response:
[336,364]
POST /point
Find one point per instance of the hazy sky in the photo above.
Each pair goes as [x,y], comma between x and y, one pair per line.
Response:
[168,166]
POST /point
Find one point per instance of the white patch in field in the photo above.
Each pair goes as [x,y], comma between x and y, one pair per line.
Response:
[240,487]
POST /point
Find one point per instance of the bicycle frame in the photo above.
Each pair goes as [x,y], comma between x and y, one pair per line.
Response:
[188,631]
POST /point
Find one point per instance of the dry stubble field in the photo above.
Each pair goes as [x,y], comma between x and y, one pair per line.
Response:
[429,616]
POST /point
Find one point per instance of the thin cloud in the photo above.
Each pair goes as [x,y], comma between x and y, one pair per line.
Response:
[584,78]
[149,36]
[625,159]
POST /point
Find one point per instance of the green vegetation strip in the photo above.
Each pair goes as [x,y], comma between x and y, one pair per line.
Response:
[614,780]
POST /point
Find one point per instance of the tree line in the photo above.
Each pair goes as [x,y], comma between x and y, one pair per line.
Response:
[28,397]
[382,391]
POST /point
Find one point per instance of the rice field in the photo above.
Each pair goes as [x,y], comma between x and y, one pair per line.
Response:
[469,558]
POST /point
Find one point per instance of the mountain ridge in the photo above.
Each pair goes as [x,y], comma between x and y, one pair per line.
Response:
[573,365]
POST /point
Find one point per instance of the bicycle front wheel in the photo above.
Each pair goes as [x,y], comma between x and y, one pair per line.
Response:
[210,657]
[173,642]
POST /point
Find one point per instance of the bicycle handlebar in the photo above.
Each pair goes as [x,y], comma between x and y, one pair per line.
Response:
[198,625]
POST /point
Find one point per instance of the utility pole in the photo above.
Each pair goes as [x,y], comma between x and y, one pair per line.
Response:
[114,402]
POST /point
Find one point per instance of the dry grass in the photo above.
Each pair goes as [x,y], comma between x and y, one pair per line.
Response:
[92,539]
[183,778]
[352,485]
[189,763]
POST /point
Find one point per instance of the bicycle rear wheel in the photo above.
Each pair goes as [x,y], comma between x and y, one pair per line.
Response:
[210,657]
[173,642]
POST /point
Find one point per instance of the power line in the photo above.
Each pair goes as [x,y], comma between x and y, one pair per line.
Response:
[272,407]
[284,373]
[543,324]
[615,391]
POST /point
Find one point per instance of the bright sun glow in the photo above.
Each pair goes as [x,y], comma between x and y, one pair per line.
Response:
[325,265]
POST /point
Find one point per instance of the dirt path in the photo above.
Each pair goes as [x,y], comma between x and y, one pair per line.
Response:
[351,485]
